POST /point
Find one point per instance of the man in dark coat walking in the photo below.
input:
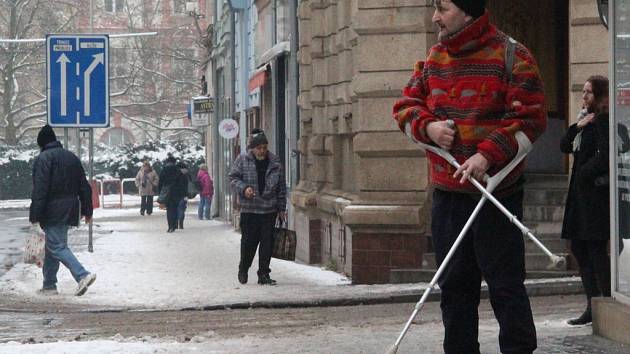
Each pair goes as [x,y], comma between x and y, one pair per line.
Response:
[60,193]
[169,179]
[258,179]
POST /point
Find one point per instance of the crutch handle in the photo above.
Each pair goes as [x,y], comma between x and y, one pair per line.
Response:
[524,147]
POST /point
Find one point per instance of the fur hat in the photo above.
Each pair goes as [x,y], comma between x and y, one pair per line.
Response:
[474,8]
[46,136]
[258,138]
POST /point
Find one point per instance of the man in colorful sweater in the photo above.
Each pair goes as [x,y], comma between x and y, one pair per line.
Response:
[465,79]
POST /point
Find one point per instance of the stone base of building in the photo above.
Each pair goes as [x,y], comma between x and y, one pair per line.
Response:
[611,319]
[366,242]
[374,255]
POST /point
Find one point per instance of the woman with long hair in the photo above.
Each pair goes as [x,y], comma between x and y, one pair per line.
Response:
[586,217]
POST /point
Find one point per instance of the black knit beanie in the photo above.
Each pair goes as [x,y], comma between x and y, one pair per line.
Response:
[46,136]
[474,8]
[258,138]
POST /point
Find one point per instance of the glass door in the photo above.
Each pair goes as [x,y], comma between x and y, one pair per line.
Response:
[619,28]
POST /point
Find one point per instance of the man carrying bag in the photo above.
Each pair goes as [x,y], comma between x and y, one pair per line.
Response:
[258,179]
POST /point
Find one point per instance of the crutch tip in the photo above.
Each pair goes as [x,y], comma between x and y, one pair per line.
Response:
[393,349]
[558,263]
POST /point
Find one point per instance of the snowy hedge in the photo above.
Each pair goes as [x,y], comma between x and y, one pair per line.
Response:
[119,162]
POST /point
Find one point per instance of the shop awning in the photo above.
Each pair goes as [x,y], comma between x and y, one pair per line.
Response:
[258,78]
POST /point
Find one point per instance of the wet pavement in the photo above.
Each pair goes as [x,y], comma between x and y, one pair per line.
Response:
[347,329]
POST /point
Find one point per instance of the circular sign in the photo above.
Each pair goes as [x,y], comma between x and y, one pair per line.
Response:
[228,128]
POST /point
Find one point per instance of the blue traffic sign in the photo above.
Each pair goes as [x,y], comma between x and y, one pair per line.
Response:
[77,68]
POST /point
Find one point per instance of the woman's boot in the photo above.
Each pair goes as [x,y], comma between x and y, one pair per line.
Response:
[585,318]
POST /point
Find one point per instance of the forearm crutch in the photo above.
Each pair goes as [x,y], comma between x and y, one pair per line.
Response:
[524,146]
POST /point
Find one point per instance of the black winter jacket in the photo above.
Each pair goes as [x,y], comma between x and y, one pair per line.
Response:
[59,184]
[587,210]
[171,177]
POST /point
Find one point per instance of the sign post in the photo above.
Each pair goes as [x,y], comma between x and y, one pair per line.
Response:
[77,87]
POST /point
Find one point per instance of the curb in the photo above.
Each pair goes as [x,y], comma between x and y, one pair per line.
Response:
[565,287]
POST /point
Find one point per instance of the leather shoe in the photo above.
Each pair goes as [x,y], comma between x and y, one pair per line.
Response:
[242,278]
[582,320]
[266,280]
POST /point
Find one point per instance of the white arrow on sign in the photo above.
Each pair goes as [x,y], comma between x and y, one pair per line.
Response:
[63,61]
[98,59]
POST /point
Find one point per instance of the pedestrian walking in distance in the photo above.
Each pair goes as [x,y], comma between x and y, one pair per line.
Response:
[60,193]
[169,185]
[147,182]
[183,181]
[258,179]
[475,91]
[206,192]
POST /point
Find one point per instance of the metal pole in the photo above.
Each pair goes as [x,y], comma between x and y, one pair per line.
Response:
[293,114]
[91,16]
[91,178]
[65,139]
[78,130]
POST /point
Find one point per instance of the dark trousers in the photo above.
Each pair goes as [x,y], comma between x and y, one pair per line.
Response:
[594,262]
[171,215]
[256,229]
[146,204]
[492,248]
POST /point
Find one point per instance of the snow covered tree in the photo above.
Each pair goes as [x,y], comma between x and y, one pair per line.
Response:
[22,64]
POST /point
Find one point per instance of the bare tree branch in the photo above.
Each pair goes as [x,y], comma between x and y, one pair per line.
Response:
[31,117]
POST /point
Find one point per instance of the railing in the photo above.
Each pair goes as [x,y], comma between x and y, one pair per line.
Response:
[120,185]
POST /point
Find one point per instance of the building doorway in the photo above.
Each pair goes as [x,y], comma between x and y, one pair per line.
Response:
[543,27]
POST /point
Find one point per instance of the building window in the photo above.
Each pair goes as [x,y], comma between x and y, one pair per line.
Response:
[117,137]
[179,6]
[114,5]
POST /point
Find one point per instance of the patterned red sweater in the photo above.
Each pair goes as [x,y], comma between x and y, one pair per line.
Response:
[464,79]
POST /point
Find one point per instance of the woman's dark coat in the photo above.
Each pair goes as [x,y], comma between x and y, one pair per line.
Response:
[587,210]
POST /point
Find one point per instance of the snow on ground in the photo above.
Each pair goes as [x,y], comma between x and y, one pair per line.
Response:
[139,265]
[97,347]
[15,204]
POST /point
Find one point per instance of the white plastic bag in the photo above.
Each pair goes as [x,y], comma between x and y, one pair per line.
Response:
[35,248]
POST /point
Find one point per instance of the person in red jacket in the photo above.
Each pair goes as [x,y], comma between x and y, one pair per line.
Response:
[205,192]
[466,80]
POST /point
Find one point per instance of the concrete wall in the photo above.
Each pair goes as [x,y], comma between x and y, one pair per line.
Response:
[611,319]
[588,49]
[362,183]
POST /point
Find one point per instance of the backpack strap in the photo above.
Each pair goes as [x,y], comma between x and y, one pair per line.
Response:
[510,48]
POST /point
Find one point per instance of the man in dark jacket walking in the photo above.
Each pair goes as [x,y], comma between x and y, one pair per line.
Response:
[60,193]
[258,179]
[170,186]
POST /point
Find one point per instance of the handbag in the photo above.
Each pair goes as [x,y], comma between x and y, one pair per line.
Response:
[163,196]
[284,242]
[35,248]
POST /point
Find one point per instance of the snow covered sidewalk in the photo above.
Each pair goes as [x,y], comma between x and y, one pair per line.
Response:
[140,266]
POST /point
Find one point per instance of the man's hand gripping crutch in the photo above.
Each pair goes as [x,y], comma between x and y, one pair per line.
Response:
[524,147]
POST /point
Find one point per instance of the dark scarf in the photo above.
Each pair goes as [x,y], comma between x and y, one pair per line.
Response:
[261,170]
